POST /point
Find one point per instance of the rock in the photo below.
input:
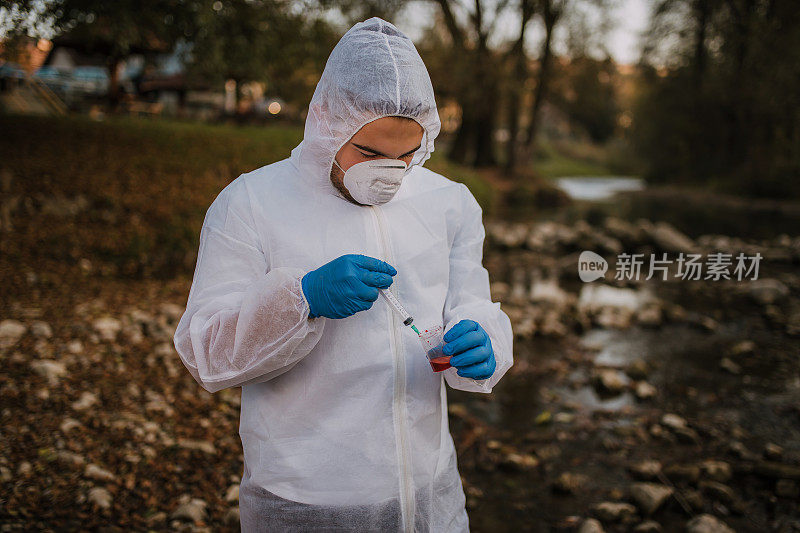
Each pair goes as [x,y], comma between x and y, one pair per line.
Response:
[669,239]
[740,450]
[650,526]
[594,297]
[201,445]
[41,329]
[786,488]
[53,371]
[637,369]
[610,380]
[97,473]
[613,511]
[70,459]
[727,364]
[231,517]
[5,474]
[650,496]
[644,390]
[550,292]
[569,482]
[107,327]
[190,509]
[687,435]
[75,347]
[773,451]
[694,498]
[24,469]
[233,493]
[718,491]
[673,421]
[743,347]
[86,400]
[717,470]
[10,333]
[590,525]
[647,469]
[690,473]
[68,424]
[705,523]
[766,290]
[100,497]
[650,315]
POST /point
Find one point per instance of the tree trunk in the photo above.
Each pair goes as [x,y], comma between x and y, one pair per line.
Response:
[516,85]
[550,18]
[113,83]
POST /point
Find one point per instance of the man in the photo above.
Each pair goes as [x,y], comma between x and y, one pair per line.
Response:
[343,422]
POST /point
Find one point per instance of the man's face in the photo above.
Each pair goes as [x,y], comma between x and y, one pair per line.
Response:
[384,138]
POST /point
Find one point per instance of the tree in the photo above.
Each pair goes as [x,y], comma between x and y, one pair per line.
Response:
[114,29]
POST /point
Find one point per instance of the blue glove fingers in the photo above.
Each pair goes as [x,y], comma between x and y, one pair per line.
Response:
[482,370]
[471,357]
[471,339]
[376,279]
[370,263]
[459,329]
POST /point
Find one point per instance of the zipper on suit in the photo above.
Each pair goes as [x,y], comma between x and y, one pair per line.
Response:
[407,502]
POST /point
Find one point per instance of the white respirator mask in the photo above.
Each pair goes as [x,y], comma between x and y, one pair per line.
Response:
[374,182]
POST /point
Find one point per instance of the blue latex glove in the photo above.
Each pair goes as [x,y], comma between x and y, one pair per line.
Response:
[471,350]
[346,285]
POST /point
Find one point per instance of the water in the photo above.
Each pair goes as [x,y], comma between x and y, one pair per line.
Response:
[598,188]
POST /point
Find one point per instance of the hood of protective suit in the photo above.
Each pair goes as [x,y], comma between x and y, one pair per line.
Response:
[374,71]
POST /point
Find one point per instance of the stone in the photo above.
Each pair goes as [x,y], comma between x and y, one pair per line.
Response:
[648,469]
[590,525]
[107,327]
[190,509]
[41,329]
[613,511]
[231,517]
[75,347]
[638,369]
[53,371]
[717,470]
[766,290]
[68,424]
[650,496]
[201,445]
[727,364]
[673,421]
[86,401]
[70,459]
[644,390]
[11,331]
[685,472]
[743,347]
[669,239]
[610,380]
[649,526]
[718,491]
[100,497]
[706,523]
[569,482]
[786,488]
[98,473]
[233,493]
[773,451]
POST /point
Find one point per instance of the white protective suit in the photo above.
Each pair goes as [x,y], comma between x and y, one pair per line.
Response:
[343,422]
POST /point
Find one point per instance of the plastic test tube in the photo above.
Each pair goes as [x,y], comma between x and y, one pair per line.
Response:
[395,303]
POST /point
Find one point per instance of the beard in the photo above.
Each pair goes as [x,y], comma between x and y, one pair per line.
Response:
[337,179]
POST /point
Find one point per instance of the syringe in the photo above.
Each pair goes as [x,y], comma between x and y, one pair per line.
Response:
[397,306]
